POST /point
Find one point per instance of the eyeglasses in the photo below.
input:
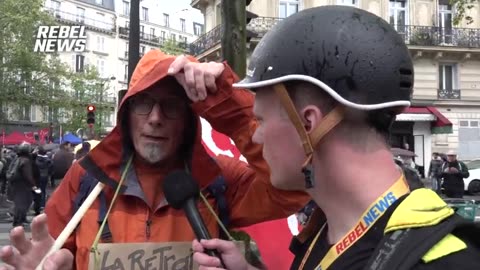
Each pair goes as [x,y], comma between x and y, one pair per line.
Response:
[172,108]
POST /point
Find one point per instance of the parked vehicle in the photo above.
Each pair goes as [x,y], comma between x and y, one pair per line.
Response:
[472,183]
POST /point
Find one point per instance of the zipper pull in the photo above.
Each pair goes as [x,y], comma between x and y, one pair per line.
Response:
[148,223]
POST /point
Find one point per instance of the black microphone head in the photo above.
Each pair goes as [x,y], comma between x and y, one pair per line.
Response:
[178,187]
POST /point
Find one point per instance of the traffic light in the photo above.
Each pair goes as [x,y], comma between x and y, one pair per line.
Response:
[90,114]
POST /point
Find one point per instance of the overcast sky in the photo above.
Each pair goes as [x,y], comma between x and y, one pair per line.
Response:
[177,6]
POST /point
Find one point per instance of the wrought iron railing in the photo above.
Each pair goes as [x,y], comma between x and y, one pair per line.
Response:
[261,25]
[449,94]
[81,20]
[145,37]
[412,34]
[439,36]
[206,41]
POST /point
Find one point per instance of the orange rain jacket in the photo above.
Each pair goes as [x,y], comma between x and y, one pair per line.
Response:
[251,198]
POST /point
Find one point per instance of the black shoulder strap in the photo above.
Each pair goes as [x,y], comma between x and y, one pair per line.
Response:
[402,249]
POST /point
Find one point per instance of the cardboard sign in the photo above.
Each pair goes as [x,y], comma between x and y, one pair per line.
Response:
[145,256]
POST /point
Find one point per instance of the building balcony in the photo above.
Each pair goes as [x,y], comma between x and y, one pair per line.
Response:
[415,35]
[75,19]
[424,36]
[145,38]
[206,41]
[449,94]
[199,3]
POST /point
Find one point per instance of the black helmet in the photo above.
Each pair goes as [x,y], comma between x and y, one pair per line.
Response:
[24,148]
[355,56]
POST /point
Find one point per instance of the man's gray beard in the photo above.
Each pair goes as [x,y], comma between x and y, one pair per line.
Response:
[153,153]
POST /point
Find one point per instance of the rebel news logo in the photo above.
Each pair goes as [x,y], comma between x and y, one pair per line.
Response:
[63,38]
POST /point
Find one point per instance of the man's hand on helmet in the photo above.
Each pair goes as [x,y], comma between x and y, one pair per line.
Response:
[196,78]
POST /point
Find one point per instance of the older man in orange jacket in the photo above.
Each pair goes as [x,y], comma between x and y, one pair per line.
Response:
[159,131]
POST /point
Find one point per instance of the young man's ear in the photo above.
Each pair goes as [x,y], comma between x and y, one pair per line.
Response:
[311,117]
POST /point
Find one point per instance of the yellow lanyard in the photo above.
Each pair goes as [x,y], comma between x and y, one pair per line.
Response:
[369,217]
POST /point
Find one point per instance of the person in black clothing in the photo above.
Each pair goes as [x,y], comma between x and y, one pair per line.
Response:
[37,196]
[82,151]
[22,184]
[329,83]
[3,172]
[435,172]
[453,172]
[62,160]
[44,164]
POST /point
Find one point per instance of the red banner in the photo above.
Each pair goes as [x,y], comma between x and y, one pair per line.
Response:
[275,253]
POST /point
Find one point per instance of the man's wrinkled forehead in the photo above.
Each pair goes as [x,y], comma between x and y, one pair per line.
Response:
[167,87]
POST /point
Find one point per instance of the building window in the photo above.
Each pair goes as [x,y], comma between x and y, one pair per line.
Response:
[125,77]
[445,24]
[166,20]
[145,14]
[126,8]
[142,50]
[447,76]
[142,31]
[80,15]
[127,24]
[463,123]
[182,25]
[353,3]
[173,37]
[197,29]
[101,67]
[398,14]
[78,62]
[100,20]
[100,44]
[26,113]
[468,123]
[288,7]
[55,5]
[163,35]
[33,115]
[152,32]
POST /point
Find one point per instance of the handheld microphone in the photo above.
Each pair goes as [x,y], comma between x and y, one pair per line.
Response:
[182,192]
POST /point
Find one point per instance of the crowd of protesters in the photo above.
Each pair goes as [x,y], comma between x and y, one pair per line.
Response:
[26,172]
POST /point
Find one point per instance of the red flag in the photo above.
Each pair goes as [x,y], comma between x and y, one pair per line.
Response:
[42,134]
[275,254]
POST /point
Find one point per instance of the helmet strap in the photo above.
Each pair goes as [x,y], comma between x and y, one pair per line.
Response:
[332,119]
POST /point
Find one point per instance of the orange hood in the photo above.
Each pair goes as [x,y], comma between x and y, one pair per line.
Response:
[107,160]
